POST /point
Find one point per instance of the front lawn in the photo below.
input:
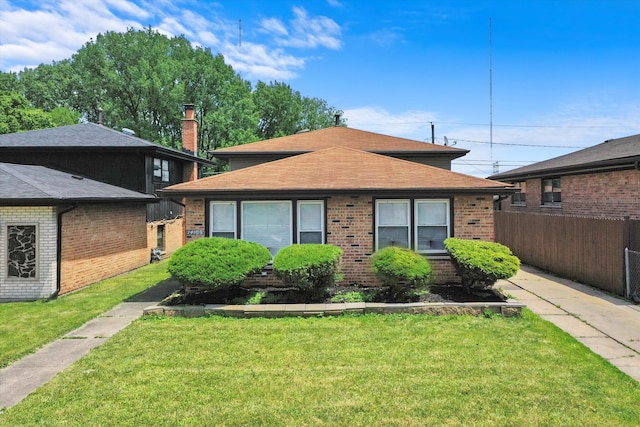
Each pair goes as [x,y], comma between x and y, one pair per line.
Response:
[367,370]
[26,326]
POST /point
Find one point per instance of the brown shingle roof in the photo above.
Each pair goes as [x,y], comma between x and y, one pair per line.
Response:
[338,169]
[339,136]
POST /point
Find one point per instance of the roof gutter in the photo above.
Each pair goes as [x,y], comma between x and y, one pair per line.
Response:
[59,252]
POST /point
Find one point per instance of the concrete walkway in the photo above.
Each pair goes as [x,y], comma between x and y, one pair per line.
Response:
[608,325]
[18,380]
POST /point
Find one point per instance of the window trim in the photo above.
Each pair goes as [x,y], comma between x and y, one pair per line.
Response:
[36,277]
[417,202]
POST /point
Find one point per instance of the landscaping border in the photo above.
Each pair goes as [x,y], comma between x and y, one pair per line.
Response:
[509,308]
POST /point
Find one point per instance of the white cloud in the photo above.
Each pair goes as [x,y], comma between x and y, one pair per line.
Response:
[255,61]
[305,32]
[274,26]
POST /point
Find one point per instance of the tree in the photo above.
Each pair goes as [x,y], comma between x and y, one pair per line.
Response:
[279,108]
[16,115]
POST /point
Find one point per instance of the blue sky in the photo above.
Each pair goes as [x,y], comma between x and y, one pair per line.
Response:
[564,72]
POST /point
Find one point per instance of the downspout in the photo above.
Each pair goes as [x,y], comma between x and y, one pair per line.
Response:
[59,252]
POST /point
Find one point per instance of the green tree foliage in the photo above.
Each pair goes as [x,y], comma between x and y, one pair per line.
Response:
[17,115]
[140,79]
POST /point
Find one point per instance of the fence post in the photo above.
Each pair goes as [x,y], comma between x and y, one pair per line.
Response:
[627,271]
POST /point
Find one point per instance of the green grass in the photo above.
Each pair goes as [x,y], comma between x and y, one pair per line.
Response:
[345,371]
[27,326]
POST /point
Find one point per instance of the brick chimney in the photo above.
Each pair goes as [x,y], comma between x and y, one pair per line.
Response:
[190,141]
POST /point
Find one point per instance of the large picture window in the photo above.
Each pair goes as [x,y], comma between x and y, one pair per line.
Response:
[22,246]
[267,223]
[424,231]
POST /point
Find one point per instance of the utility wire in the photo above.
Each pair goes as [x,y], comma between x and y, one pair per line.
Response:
[517,145]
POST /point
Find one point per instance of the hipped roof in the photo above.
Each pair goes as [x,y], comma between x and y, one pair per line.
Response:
[337,169]
[28,185]
[339,136]
[87,137]
[614,153]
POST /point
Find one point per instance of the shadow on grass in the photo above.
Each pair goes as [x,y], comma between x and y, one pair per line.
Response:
[157,292]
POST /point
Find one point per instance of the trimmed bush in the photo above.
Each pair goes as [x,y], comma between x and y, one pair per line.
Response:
[312,268]
[400,269]
[217,262]
[481,264]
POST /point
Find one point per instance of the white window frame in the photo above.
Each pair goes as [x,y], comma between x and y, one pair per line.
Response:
[267,202]
[235,216]
[408,219]
[446,224]
[161,169]
[299,229]
[37,249]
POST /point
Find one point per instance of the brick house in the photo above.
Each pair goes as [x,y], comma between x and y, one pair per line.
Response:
[358,190]
[599,181]
[117,158]
[60,232]
[575,214]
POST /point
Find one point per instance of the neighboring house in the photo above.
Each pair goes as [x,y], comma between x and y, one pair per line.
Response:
[575,214]
[119,159]
[599,181]
[60,232]
[350,188]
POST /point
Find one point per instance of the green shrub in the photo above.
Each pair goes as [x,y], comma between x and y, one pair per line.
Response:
[217,263]
[312,268]
[481,264]
[401,270]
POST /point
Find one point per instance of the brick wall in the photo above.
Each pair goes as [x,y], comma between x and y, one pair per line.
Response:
[173,234]
[14,289]
[101,241]
[602,195]
[473,217]
[194,219]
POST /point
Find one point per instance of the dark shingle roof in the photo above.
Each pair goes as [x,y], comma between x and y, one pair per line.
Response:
[88,136]
[621,152]
[27,185]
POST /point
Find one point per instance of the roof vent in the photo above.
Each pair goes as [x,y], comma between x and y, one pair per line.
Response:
[77,177]
[128,131]
[337,116]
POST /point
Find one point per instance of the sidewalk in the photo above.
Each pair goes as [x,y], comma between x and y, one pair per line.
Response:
[17,381]
[609,326]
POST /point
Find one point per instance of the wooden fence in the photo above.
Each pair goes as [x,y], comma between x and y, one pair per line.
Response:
[587,250]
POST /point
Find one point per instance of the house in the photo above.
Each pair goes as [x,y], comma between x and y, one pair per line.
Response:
[117,158]
[60,232]
[358,190]
[575,214]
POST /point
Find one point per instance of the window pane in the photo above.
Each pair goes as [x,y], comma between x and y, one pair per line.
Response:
[393,236]
[431,238]
[432,213]
[393,213]
[267,223]
[223,217]
[165,170]
[229,235]
[310,237]
[310,216]
[157,168]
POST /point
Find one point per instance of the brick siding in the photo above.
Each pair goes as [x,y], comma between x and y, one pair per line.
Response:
[611,194]
[173,234]
[102,241]
[13,288]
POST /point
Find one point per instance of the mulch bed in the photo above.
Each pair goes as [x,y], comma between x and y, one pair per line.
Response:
[439,293]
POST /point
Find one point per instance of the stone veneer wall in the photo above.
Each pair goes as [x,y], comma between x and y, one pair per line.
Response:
[44,284]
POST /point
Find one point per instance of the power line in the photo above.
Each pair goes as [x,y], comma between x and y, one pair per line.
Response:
[518,145]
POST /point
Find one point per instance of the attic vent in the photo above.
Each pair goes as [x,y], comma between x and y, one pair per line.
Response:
[77,177]
[128,131]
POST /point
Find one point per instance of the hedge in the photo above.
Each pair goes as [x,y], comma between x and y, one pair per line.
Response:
[311,268]
[400,269]
[217,262]
[481,264]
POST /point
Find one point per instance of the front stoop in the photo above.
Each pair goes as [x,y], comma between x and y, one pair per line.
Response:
[510,308]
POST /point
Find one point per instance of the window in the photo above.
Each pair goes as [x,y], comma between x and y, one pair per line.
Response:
[520,198]
[432,225]
[223,219]
[311,221]
[161,169]
[160,236]
[551,192]
[22,246]
[429,225]
[392,223]
[267,223]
